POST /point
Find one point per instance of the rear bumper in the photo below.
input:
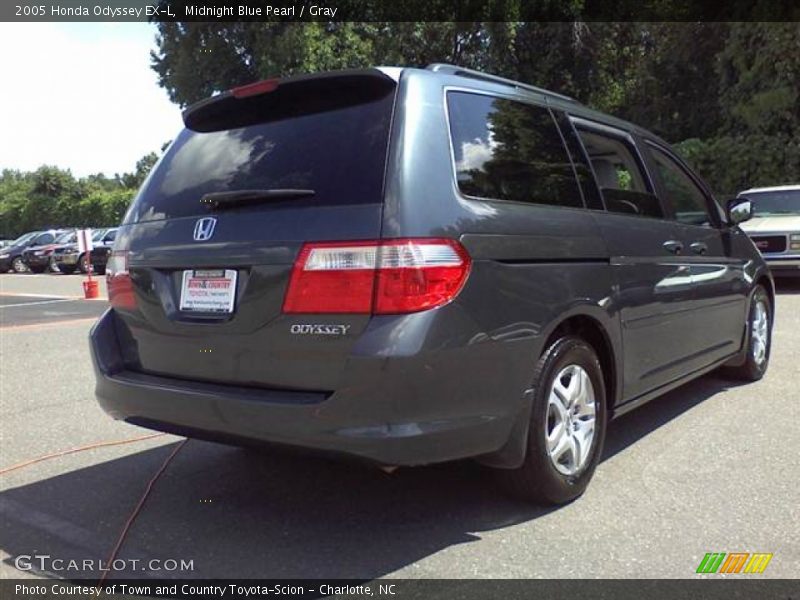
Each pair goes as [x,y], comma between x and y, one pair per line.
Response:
[35,261]
[66,259]
[372,421]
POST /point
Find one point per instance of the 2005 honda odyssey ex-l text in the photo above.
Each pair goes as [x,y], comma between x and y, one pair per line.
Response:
[420,265]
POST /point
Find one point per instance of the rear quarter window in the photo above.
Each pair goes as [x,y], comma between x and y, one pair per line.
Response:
[508,150]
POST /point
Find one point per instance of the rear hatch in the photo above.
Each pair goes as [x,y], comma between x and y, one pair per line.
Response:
[207,246]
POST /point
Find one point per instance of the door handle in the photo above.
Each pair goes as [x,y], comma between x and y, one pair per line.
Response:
[699,248]
[673,246]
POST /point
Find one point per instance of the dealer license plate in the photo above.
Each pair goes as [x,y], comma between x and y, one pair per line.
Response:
[209,291]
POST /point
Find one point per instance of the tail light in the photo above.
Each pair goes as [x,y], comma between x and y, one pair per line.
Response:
[118,280]
[380,277]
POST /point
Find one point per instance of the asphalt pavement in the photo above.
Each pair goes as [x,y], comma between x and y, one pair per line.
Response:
[710,467]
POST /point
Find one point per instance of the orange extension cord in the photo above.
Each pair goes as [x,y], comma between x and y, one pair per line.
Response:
[129,523]
[124,533]
[33,461]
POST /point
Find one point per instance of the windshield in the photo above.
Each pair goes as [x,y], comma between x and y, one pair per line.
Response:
[98,235]
[776,203]
[66,238]
[23,238]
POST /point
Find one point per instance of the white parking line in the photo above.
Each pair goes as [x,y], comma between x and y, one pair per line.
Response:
[39,302]
[27,295]
[51,296]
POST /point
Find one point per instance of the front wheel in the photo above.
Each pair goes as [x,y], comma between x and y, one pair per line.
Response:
[19,265]
[567,426]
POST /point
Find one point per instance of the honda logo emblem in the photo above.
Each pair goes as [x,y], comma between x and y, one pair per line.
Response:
[204,229]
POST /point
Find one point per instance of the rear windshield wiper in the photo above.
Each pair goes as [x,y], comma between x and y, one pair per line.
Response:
[217,200]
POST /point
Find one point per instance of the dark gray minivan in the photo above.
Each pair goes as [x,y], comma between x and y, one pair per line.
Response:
[421,265]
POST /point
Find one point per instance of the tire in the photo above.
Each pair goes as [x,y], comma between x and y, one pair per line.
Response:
[563,477]
[99,270]
[18,265]
[82,266]
[38,269]
[759,339]
[67,269]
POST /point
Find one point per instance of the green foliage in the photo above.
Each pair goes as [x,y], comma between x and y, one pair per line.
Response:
[52,197]
[733,163]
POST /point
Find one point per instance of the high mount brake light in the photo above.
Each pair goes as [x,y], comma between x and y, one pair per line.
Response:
[254,89]
[379,277]
[118,280]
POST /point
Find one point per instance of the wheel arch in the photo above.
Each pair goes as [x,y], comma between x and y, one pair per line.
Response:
[601,331]
[591,330]
[767,282]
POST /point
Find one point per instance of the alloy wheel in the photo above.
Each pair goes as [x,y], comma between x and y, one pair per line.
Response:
[760,329]
[570,423]
[18,265]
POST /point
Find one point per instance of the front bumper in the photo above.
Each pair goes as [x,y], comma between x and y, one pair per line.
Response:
[784,267]
[365,421]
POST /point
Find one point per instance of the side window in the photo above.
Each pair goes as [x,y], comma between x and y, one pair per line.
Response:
[620,175]
[508,150]
[45,238]
[110,236]
[583,170]
[688,201]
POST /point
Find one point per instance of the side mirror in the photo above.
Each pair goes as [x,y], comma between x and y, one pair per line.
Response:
[739,210]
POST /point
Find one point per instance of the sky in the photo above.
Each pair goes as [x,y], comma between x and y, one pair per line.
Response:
[81,96]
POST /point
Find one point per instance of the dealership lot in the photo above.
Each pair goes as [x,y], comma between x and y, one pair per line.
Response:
[711,467]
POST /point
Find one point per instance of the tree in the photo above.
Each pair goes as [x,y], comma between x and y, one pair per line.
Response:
[143,165]
[52,197]
[759,72]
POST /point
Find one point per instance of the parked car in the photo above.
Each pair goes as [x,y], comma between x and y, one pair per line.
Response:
[11,255]
[775,227]
[39,258]
[4,243]
[421,265]
[69,259]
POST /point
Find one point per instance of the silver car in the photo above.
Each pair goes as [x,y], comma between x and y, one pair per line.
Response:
[775,226]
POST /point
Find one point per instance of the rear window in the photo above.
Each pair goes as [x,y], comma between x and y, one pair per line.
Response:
[509,150]
[338,149]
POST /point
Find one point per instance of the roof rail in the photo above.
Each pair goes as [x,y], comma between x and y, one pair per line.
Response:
[471,73]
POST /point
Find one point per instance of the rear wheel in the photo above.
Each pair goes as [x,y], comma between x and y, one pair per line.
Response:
[759,339]
[18,265]
[567,426]
[67,269]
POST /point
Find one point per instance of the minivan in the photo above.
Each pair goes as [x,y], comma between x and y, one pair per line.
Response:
[413,266]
